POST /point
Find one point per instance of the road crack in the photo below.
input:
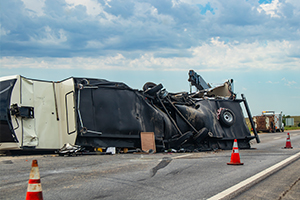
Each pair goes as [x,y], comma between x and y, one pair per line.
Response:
[285,192]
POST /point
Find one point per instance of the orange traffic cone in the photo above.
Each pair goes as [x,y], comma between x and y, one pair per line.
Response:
[288,144]
[235,156]
[34,190]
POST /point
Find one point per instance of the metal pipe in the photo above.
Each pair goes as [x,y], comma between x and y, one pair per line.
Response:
[169,115]
[55,101]
[78,111]
[182,116]
[250,118]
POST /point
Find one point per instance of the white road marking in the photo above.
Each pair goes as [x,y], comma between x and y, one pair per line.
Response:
[253,178]
[275,138]
[176,157]
[186,155]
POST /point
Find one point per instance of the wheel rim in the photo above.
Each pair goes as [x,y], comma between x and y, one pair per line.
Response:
[228,116]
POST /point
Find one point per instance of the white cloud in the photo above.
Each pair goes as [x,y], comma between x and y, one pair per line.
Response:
[92,7]
[272,82]
[50,37]
[158,33]
[94,44]
[34,7]
[244,55]
[218,43]
[212,56]
[107,3]
[148,11]
[277,8]
[271,9]
[3,31]
[288,82]
[296,5]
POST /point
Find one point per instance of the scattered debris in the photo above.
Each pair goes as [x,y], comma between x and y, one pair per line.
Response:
[70,150]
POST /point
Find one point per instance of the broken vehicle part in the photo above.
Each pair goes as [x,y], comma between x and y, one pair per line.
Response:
[197,81]
[94,113]
[250,118]
[70,150]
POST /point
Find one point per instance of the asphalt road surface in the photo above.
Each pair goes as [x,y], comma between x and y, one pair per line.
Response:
[203,175]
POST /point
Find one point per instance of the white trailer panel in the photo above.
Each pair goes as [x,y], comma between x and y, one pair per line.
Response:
[54,123]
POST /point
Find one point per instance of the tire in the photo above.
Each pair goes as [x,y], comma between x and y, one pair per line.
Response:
[203,133]
[84,82]
[148,86]
[184,138]
[227,117]
[151,88]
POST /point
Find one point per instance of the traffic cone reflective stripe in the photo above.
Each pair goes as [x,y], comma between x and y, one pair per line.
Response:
[235,156]
[288,144]
[34,189]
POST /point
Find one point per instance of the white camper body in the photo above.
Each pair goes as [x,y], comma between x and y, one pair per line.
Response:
[44,114]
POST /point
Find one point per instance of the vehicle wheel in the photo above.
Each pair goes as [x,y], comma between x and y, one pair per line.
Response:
[148,86]
[227,117]
[151,88]
[201,134]
[184,138]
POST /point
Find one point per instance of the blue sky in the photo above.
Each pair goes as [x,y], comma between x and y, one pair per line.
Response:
[254,42]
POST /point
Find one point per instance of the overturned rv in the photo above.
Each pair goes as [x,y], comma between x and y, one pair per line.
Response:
[93,113]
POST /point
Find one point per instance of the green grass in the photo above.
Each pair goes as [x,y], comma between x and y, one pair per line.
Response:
[288,128]
[296,122]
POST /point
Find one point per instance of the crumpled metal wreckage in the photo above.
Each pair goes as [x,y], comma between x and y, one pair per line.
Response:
[95,113]
[70,150]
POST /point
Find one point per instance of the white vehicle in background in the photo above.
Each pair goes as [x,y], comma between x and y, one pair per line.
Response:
[269,121]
